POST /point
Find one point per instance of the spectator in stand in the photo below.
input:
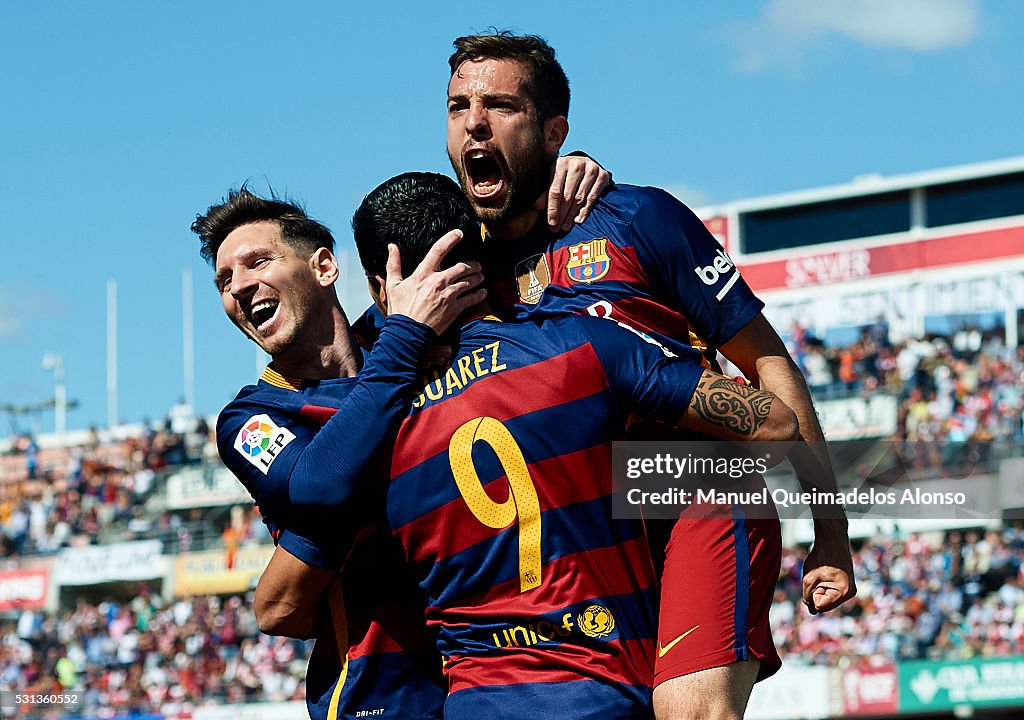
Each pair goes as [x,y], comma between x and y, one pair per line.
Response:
[816,366]
[233,535]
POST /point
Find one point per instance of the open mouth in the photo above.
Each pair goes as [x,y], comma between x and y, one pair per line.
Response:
[263,312]
[484,172]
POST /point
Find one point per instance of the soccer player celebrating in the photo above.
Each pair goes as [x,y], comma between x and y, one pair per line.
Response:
[642,258]
[308,434]
[500,485]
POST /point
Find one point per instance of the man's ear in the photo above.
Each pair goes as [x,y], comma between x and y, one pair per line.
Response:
[556,130]
[379,293]
[325,267]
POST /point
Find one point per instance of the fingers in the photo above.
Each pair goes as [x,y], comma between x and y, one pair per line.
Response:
[822,599]
[834,596]
[826,588]
[465,284]
[470,299]
[435,297]
[556,192]
[567,209]
[393,267]
[576,185]
[455,293]
[811,590]
[809,585]
[826,598]
[460,272]
[455,306]
[585,185]
[601,180]
[445,285]
[432,260]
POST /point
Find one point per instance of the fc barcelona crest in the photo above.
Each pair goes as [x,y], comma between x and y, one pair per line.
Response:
[532,276]
[588,261]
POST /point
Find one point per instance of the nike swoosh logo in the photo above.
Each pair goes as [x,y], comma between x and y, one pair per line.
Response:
[662,649]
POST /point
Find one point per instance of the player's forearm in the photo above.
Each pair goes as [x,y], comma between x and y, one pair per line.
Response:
[287,622]
[810,458]
[288,596]
[277,615]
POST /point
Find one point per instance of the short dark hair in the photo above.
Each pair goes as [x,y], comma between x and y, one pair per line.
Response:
[413,211]
[243,207]
[546,83]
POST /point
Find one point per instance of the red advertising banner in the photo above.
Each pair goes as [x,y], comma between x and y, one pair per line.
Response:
[857,263]
[23,589]
[870,689]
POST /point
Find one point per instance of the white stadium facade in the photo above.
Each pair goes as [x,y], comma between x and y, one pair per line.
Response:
[928,252]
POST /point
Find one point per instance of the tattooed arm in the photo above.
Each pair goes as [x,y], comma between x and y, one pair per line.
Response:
[724,409]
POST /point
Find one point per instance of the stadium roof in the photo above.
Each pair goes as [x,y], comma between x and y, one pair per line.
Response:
[868,185]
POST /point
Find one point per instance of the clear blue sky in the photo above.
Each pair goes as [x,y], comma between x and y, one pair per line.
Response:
[122,120]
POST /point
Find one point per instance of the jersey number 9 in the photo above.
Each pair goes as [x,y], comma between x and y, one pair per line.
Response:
[522,499]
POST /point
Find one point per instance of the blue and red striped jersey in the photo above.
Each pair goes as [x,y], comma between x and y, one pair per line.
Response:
[500,494]
[641,257]
[393,669]
[309,452]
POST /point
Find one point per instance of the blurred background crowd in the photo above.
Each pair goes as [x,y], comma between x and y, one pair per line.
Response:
[949,593]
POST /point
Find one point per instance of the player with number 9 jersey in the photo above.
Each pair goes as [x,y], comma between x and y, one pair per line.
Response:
[501,495]
[643,258]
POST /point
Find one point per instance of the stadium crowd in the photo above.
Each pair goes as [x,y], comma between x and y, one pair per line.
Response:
[965,387]
[964,391]
[60,496]
[952,594]
[139,656]
[956,597]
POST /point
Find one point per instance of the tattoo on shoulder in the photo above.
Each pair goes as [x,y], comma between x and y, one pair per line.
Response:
[726,403]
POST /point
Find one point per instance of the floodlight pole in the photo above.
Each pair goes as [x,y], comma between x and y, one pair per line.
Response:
[188,340]
[111,353]
[53,361]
